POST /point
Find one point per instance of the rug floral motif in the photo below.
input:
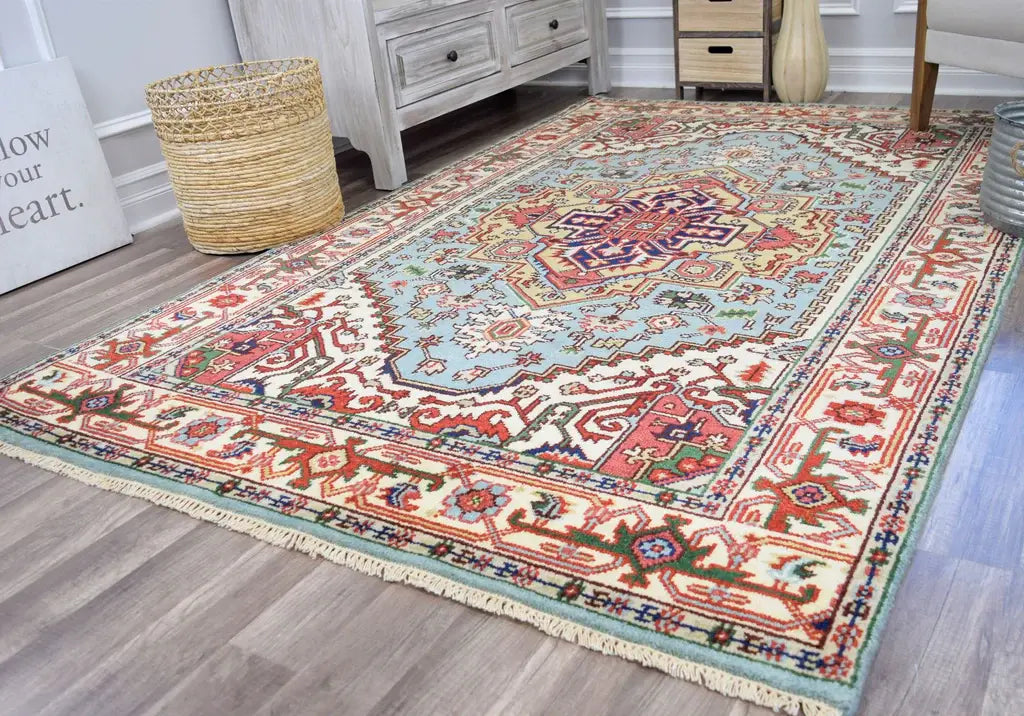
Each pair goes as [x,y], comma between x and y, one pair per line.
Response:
[671,380]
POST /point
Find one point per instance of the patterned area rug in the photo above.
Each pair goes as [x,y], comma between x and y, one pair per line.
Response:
[672,381]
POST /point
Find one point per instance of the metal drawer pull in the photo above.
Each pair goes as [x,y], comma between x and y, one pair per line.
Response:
[453,55]
[553,24]
[720,49]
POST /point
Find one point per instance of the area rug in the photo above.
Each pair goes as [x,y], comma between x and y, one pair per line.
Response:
[672,381]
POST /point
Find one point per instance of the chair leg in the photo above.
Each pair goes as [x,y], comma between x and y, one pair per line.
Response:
[924,96]
[925,75]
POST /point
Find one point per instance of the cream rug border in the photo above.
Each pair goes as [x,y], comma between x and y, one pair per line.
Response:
[707,676]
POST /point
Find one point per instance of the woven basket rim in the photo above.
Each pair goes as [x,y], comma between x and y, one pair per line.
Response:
[290,66]
[238,100]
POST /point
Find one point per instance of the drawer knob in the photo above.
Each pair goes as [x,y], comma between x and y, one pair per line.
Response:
[553,24]
[453,55]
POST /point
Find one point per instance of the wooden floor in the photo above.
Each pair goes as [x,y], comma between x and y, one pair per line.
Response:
[110,605]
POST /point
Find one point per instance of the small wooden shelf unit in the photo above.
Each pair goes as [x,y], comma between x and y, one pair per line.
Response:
[725,44]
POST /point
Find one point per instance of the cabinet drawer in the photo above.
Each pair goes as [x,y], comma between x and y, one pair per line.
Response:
[437,59]
[720,15]
[721,59]
[539,27]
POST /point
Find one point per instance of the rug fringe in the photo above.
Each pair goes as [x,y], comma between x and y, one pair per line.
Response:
[708,676]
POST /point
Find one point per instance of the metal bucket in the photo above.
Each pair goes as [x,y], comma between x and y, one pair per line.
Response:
[1002,189]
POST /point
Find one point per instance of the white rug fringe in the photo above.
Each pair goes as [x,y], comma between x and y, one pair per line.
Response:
[711,677]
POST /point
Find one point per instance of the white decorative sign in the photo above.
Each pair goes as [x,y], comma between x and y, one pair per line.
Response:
[58,204]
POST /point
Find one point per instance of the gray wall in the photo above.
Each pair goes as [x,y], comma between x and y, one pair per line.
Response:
[117,47]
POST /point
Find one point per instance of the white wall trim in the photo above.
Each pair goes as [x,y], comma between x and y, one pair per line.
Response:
[146,197]
[628,67]
[122,124]
[853,69]
[140,174]
[840,7]
[891,69]
[152,221]
[40,30]
[639,13]
[145,193]
[904,7]
[660,12]
[44,47]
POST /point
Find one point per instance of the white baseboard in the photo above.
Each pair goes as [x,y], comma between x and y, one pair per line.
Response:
[853,69]
[146,221]
[891,69]
[146,197]
[628,67]
[828,8]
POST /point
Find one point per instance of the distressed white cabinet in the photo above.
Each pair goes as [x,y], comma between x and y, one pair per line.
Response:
[391,64]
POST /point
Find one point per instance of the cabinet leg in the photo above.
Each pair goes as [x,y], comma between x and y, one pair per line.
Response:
[598,80]
[386,155]
[388,170]
[597,65]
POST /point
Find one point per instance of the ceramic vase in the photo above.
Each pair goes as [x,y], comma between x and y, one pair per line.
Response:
[800,63]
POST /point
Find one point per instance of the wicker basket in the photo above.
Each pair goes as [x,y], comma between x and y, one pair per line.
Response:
[249,153]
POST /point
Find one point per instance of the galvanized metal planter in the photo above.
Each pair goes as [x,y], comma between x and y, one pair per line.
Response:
[1002,189]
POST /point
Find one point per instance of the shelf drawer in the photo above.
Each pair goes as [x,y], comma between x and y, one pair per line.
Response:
[712,60]
[540,27]
[425,63]
[720,15]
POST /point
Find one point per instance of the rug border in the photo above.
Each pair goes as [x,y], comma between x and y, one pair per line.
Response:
[234,516]
[737,678]
[937,474]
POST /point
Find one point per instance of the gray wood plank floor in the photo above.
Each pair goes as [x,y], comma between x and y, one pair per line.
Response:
[110,605]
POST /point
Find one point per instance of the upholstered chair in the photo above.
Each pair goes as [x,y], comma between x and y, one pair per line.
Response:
[986,35]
